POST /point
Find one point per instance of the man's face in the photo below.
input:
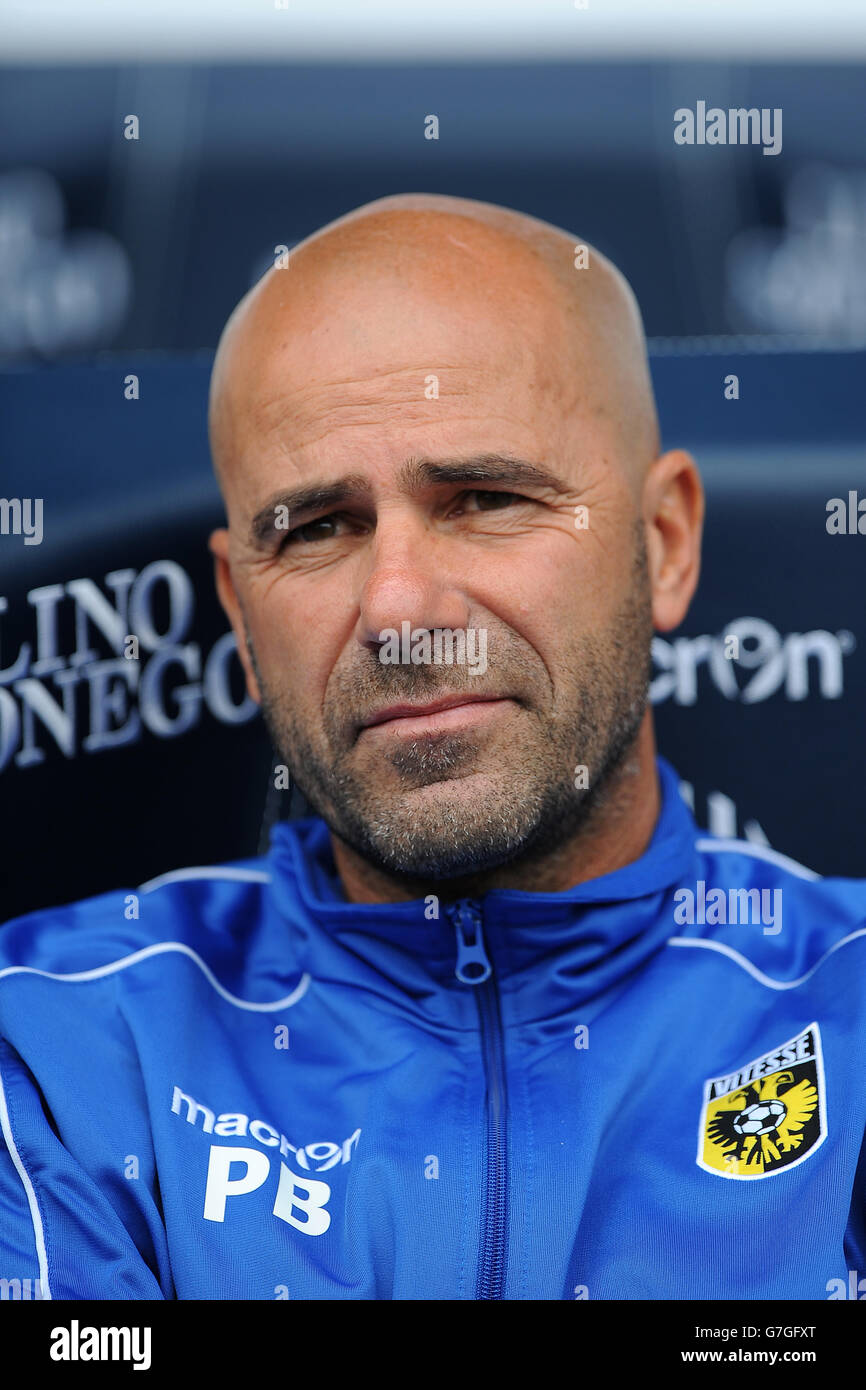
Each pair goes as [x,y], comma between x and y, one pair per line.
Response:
[382,379]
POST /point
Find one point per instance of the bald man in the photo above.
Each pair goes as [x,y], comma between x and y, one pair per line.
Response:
[497,1021]
[432,417]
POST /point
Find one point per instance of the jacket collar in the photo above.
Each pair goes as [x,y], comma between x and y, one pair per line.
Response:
[548,950]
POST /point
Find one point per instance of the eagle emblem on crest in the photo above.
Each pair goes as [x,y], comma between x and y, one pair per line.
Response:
[769,1114]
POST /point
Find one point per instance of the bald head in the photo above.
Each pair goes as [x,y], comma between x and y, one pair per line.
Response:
[420,275]
[438,419]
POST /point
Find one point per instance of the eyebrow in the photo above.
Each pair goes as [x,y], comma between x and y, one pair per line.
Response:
[414,476]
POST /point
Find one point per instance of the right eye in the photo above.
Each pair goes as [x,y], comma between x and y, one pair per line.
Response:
[311,531]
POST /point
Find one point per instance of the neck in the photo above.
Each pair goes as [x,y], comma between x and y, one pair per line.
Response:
[615,834]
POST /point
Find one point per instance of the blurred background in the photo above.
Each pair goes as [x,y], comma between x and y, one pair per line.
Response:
[153,158]
[259,121]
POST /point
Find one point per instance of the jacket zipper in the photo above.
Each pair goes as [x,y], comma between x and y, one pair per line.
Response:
[474,968]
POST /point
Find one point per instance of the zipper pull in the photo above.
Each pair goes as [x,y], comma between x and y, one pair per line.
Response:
[473,966]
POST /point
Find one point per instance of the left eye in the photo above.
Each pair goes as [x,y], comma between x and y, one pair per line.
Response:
[309,532]
[493,501]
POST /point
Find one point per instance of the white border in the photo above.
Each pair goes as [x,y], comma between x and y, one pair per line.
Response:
[66,31]
[822,1111]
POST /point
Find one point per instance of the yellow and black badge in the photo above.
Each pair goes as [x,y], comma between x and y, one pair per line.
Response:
[767,1116]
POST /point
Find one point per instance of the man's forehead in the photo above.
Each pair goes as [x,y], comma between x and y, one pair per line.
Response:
[425,377]
[372,454]
[403,316]
[299,405]
[377,336]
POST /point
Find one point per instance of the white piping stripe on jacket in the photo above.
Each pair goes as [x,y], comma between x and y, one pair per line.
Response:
[249,875]
[159,948]
[35,1215]
[772,856]
[753,969]
[205,871]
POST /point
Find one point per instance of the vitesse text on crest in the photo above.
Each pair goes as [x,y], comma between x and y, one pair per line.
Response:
[768,1115]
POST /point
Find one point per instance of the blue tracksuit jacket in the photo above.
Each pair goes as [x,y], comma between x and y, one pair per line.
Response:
[232,1083]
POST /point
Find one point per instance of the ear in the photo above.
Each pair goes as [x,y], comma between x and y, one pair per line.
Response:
[673,511]
[218,544]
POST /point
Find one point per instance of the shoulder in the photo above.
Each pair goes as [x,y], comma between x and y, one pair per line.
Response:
[773,916]
[745,856]
[188,907]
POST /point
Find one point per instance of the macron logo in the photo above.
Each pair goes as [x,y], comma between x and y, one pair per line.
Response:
[76,1343]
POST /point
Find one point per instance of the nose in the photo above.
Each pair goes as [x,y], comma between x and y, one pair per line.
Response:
[410,578]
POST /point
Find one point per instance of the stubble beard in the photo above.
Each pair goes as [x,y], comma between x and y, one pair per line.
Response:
[523,808]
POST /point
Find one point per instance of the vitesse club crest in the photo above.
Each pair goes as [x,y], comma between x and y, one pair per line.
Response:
[767,1116]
